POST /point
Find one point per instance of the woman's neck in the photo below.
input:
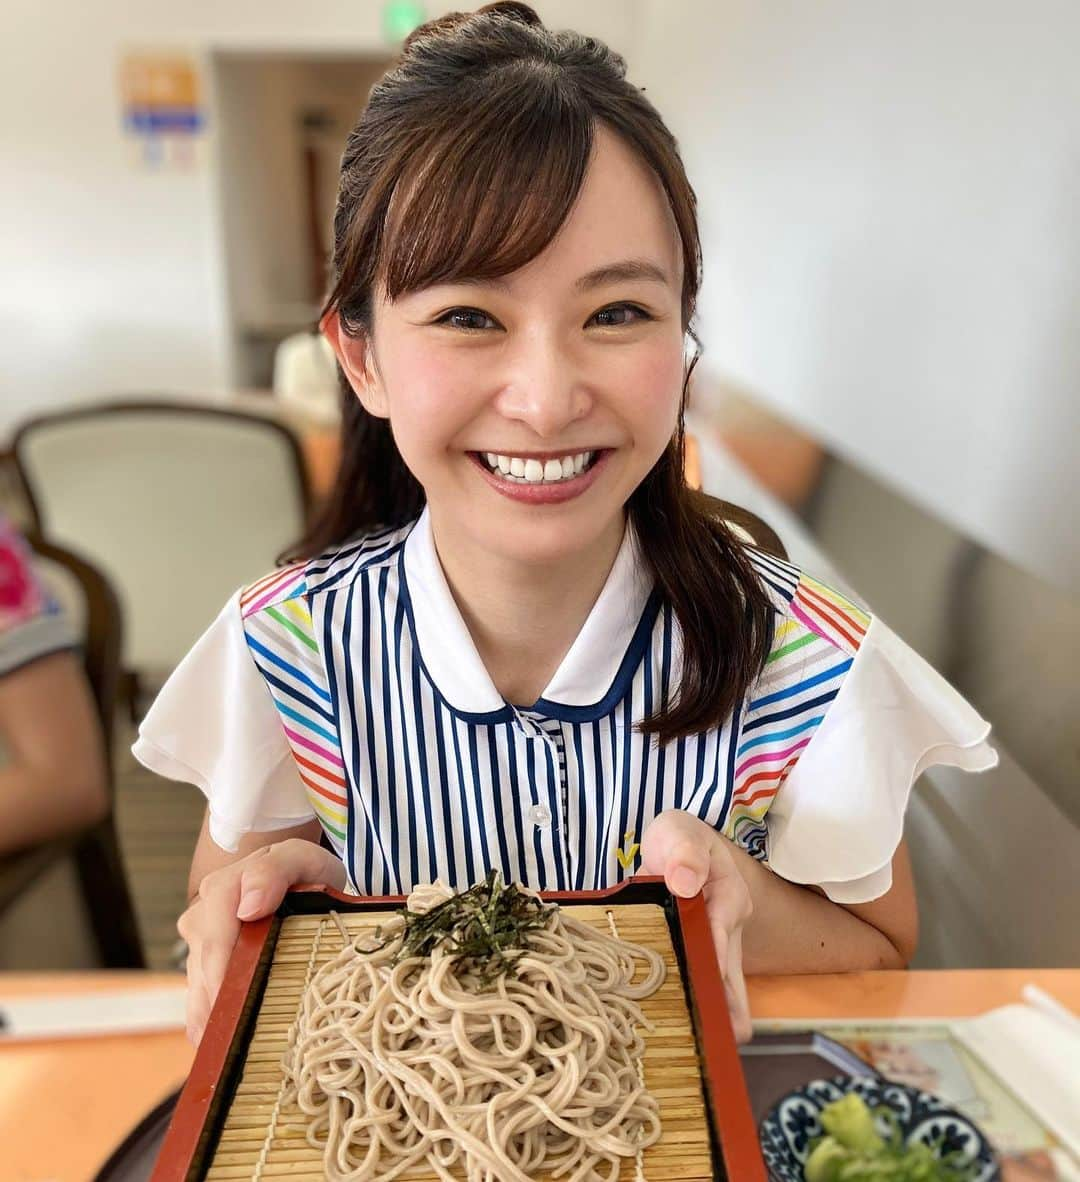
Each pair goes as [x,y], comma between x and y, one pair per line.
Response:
[523,618]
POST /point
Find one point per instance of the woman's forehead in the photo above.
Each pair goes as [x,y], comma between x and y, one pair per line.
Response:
[621,213]
[620,226]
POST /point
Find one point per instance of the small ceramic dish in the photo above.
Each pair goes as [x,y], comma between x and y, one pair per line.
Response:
[792,1126]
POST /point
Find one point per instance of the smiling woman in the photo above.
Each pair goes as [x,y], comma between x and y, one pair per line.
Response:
[516,639]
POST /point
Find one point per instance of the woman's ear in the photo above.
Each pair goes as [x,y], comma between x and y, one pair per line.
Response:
[358,364]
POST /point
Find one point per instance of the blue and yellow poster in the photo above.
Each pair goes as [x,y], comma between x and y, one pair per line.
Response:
[163,107]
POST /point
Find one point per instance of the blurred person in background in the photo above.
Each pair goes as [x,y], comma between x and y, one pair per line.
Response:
[52,755]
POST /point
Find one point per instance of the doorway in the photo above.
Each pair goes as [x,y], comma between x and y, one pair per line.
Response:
[283,120]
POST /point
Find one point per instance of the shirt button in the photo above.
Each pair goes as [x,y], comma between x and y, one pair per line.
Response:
[540,815]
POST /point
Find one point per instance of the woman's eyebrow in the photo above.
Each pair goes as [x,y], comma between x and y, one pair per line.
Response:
[618,272]
[622,271]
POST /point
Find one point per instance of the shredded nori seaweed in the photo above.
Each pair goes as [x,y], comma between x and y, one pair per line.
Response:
[487,926]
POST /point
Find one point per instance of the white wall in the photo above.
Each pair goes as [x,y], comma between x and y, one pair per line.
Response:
[890,198]
[113,278]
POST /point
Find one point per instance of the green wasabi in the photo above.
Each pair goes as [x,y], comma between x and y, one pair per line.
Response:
[853,1151]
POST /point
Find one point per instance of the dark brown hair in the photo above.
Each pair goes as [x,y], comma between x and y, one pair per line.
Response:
[480,136]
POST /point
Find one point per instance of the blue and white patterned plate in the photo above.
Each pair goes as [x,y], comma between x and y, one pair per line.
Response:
[790,1127]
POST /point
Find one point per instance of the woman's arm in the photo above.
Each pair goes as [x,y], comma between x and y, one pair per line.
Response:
[54,781]
[209,856]
[796,929]
[763,924]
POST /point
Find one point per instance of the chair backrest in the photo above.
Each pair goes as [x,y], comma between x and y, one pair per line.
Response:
[91,606]
[178,504]
[751,529]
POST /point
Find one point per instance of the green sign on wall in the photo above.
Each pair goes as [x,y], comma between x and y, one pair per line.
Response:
[400,17]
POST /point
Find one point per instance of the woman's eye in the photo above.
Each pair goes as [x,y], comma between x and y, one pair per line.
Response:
[619,315]
[468,319]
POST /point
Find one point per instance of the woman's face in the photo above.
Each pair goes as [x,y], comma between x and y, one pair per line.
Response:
[577,354]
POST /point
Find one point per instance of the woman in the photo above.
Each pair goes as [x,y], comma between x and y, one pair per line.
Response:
[516,638]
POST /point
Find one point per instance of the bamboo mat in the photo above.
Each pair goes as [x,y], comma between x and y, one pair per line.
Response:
[257,1144]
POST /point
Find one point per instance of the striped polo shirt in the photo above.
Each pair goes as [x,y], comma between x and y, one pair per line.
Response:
[418,769]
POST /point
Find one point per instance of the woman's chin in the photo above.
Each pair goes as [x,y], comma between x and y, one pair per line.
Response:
[542,543]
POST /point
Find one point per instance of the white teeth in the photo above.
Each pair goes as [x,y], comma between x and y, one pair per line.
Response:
[538,471]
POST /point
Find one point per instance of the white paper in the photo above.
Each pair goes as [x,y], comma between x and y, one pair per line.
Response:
[1038,1056]
[87,1014]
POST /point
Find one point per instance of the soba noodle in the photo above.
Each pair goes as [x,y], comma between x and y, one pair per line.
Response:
[400,1061]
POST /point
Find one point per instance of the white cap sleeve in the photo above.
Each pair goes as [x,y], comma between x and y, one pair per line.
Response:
[214,724]
[839,816]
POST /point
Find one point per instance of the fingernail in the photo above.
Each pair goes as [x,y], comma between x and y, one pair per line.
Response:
[250,901]
[684,881]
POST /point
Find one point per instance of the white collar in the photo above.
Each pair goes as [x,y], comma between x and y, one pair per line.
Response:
[588,670]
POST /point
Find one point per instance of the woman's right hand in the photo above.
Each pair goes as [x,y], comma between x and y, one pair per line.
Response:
[247,889]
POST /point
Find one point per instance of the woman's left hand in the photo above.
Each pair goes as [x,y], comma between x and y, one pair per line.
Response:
[691,856]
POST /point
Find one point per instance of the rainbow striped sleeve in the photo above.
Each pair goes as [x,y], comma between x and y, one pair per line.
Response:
[281,637]
[817,636]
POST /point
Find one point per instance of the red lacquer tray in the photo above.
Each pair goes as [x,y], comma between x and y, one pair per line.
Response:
[190,1142]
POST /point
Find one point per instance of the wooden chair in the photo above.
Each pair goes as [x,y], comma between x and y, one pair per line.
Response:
[95,851]
[757,532]
[177,503]
[763,536]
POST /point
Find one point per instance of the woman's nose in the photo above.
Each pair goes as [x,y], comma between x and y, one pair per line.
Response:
[545,390]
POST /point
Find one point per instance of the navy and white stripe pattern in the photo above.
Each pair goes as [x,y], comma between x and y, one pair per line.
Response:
[556,796]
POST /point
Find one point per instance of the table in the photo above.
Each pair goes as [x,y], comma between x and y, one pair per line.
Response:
[955,993]
[102,1087]
[65,1105]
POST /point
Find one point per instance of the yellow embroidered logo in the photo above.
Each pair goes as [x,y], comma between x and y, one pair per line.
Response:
[626,856]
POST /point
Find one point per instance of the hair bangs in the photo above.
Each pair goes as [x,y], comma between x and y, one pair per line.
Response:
[486,200]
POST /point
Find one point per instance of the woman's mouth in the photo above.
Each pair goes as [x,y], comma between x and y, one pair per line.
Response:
[531,470]
[541,480]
